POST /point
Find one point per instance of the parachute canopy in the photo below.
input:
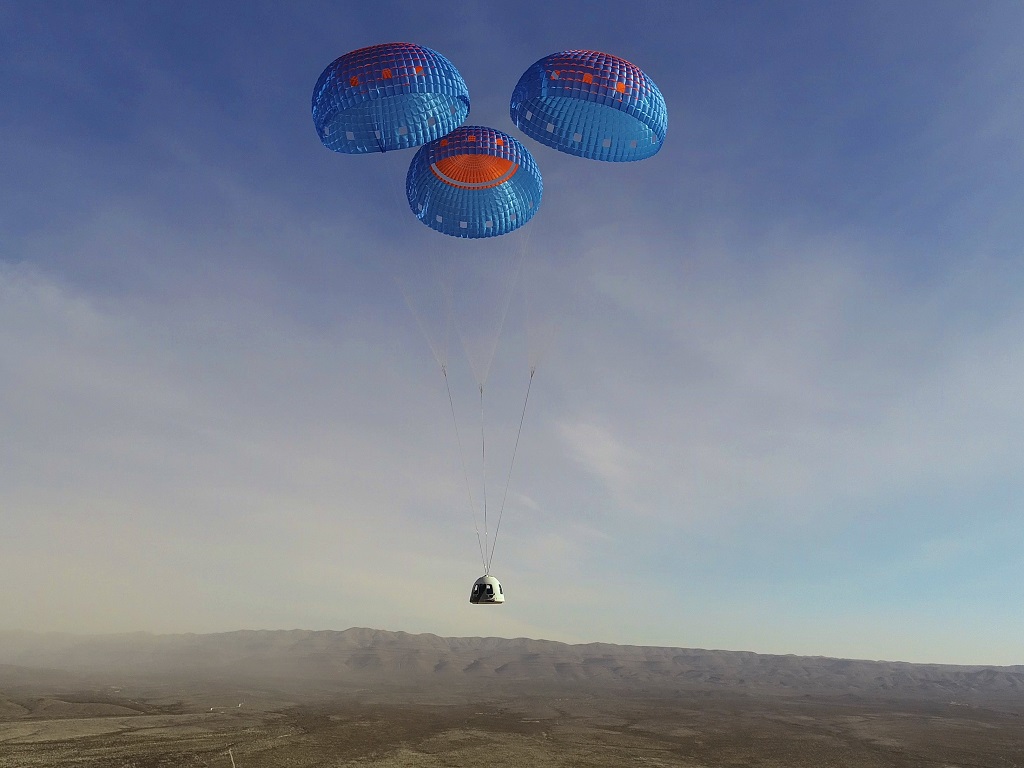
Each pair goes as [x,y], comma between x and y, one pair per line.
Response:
[591,104]
[474,182]
[389,96]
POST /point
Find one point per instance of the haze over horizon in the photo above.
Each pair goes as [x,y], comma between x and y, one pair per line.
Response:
[782,412]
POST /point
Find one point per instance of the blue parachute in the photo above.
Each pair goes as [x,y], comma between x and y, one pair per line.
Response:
[474,182]
[591,104]
[389,96]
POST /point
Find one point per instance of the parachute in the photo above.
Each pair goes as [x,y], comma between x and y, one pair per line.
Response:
[474,182]
[386,97]
[592,105]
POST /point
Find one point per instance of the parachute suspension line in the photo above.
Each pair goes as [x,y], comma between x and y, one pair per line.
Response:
[439,349]
[436,335]
[465,473]
[507,288]
[483,472]
[513,278]
[443,274]
[508,479]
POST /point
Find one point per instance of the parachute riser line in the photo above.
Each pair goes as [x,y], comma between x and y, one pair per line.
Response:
[508,478]
[483,472]
[465,472]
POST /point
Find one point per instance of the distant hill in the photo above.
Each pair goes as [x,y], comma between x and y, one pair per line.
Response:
[361,657]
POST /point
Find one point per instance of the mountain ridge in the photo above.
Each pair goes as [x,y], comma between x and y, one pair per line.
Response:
[361,656]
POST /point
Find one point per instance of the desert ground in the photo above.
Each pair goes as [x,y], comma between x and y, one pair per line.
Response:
[367,712]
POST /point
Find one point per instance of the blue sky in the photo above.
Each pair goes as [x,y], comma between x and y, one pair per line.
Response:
[781,413]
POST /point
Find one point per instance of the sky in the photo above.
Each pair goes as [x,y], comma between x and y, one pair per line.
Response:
[779,407]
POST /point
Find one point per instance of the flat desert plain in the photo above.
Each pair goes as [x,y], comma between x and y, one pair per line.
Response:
[374,698]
